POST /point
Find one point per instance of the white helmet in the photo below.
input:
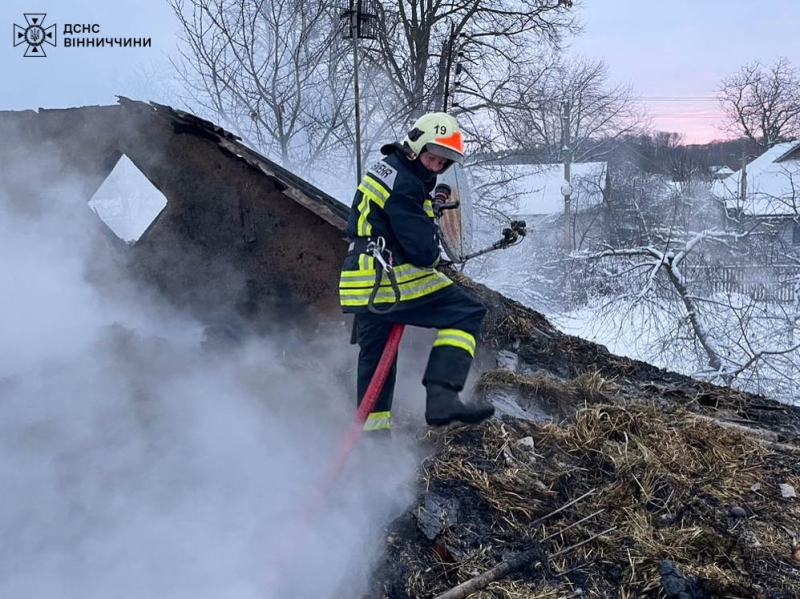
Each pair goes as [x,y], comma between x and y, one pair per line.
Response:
[439,134]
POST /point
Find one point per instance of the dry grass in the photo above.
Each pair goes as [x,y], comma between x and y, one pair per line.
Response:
[560,396]
[665,480]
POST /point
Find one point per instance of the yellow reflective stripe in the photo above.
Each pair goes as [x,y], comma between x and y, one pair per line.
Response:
[368,281]
[355,286]
[409,291]
[456,338]
[417,283]
[406,289]
[369,193]
[367,196]
[375,187]
[366,276]
[458,333]
[355,282]
[428,206]
[366,264]
[378,421]
[364,227]
[401,271]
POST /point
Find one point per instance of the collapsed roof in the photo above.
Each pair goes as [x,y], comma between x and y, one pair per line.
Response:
[241,232]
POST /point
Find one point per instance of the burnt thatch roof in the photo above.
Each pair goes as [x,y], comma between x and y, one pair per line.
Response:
[669,498]
[667,457]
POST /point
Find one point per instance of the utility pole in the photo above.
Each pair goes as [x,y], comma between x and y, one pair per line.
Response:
[743,181]
[451,42]
[360,17]
[566,188]
[354,14]
[454,46]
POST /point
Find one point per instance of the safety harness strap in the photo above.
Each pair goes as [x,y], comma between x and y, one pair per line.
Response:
[377,248]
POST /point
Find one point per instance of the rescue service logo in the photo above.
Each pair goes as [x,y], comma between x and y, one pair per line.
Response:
[35,34]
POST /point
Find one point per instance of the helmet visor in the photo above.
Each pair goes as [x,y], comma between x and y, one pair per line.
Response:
[444,152]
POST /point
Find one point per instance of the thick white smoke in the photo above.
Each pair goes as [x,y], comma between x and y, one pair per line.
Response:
[137,462]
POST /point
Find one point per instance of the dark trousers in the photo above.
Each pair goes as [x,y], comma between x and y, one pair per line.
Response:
[451,309]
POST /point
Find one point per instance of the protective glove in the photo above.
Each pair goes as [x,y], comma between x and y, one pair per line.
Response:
[441,199]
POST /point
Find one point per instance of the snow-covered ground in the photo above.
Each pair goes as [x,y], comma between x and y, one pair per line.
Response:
[623,335]
[655,337]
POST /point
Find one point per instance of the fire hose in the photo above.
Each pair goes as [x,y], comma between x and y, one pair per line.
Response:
[315,504]
[312,508]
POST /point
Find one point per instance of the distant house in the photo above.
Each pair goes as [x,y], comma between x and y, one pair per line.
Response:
[539,200]
[721,172]
[767,194]
[539,188]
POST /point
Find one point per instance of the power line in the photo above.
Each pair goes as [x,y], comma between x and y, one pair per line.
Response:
[678,99]
[688,116]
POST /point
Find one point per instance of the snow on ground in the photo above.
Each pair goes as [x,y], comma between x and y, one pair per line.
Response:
[622,336]
[651,336]
[634,333]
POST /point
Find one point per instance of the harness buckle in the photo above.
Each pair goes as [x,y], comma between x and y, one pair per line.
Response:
[376,249]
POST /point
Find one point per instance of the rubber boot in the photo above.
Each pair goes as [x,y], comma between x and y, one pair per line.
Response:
[444,406]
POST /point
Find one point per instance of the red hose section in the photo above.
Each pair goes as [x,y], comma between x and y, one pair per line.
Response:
[287,545]
[356,428]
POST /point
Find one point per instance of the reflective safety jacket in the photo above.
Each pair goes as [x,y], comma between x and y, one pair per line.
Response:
[393,202]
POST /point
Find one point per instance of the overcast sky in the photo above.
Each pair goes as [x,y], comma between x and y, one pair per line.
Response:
[667,50]
[84,76]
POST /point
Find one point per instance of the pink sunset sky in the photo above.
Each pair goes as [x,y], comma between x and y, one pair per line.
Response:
[675,53]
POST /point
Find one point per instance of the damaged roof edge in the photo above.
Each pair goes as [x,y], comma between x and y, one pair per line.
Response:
[294,187]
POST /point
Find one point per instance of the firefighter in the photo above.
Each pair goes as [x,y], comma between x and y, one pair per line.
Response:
[392,220]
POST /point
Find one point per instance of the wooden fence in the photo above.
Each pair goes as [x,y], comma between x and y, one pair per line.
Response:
[774,283]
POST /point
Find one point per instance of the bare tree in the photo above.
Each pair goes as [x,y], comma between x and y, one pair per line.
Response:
[680,320]
[653,262]
[530,110]
[272,72]
[525,119]
[763,103]
[457,55]
[710,302]
[421,37]
[276,73]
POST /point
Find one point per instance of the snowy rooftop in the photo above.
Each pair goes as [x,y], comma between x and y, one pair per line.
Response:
[537,187]
[773,183]
[720,172]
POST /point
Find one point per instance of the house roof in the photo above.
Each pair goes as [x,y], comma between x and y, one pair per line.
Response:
[537,187]
[227,214]
[773,183]
[722,171]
